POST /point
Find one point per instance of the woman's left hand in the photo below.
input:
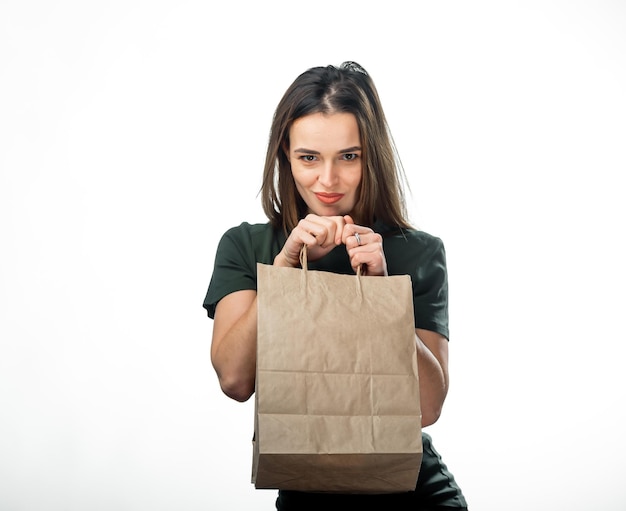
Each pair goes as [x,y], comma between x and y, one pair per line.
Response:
[365,248]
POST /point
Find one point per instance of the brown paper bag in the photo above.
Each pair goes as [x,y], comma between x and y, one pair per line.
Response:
[337,397]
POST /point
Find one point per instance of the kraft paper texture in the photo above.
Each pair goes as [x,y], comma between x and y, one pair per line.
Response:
[337,392]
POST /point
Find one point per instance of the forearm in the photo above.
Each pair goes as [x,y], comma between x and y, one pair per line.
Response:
[233,356]
[433,381]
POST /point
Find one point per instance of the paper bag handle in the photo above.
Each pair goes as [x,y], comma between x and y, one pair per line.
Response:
[303,259]
[304,263]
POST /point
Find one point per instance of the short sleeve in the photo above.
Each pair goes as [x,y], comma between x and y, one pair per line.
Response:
[234,269]
[430,288]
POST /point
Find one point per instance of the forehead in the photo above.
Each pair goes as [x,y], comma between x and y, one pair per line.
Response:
[325,131]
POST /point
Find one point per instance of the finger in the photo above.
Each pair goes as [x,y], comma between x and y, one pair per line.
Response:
[350,238]
[310,232]
[334,226]
[340,224]
[313,239]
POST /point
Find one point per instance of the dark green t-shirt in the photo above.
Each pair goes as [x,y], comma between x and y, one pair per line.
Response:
[408,252]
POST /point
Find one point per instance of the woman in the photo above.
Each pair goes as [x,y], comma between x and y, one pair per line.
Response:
[333,182]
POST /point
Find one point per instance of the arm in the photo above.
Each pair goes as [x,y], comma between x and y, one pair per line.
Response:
[432,366]
[432,347]
[233,348]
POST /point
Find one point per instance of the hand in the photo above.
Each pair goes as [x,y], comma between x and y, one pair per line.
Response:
[365,248]
[319,233]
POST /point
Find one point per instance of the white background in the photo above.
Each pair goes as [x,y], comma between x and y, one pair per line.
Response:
[132,134]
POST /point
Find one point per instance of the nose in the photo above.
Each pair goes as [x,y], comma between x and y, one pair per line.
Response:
[328,175]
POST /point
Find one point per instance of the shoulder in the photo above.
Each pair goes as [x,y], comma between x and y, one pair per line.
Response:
[250,242]
[238,251]
[413,251]
[246,230]
[412,235]
[420,238]
[246,234]
[413,240]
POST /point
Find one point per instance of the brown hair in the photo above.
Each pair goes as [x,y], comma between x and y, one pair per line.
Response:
[346,89]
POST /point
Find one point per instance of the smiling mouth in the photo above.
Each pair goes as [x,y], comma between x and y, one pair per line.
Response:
[329,198]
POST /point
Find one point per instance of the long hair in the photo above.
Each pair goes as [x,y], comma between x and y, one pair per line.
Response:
[344,89]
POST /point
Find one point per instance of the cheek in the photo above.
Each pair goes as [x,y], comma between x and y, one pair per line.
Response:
[302,179]
[355,178]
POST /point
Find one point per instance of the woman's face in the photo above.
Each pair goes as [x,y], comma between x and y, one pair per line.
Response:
[325,156]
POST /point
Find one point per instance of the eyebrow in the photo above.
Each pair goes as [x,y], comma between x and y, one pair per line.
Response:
[342,151]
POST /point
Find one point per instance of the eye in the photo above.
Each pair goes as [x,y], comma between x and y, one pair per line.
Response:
[308,157]
[350,156]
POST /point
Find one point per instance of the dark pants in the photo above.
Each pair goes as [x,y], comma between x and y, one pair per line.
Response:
[325,502]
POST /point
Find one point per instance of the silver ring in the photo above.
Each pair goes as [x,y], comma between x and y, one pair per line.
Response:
[358,238]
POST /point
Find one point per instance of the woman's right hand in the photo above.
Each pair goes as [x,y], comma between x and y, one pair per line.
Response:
[319,233]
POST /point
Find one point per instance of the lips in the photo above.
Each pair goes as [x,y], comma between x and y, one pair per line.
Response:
[329,198]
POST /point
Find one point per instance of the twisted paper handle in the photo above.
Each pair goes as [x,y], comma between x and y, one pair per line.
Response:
[304,262]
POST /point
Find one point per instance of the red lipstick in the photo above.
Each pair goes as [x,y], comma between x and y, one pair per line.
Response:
[328,198]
